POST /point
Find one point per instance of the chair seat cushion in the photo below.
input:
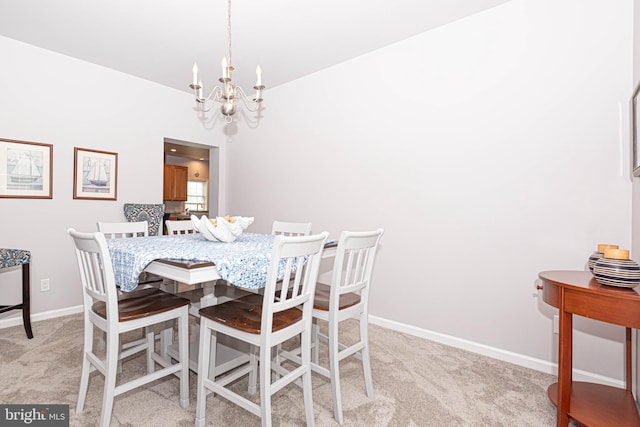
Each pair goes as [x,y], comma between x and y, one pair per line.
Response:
[245,314]
[13,257]
[143,303]
[323,292]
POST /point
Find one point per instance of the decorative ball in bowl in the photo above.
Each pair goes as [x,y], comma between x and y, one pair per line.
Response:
[222,229]
[599,254]
[616,269]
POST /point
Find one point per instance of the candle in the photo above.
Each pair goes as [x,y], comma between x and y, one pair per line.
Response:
[200,89]
[195,74]
[224,67]
[259,74]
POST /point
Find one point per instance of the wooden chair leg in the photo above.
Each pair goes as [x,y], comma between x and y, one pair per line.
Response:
[26,300]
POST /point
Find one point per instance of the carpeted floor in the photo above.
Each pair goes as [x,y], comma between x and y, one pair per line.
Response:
[417,383]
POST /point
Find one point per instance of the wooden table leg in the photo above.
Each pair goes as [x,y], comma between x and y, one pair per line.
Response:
[565,364]
[628,364]
[26,300]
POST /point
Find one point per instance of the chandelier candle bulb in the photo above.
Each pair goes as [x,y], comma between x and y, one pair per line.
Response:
[195,74]
[225,69]
[259,76]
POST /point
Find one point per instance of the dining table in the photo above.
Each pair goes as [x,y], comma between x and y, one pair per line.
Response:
[192,259]
[243,262]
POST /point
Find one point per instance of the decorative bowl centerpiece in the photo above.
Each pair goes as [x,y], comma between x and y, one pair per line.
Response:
[616,269]
[599,254]
[222,229]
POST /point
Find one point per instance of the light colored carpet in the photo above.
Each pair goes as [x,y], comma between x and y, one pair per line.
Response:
[417,383]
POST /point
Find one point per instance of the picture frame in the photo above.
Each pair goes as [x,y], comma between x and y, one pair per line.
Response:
[26,169]
[635,127]
[95,174]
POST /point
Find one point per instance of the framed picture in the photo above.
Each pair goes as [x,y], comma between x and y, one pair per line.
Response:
[26,169]
[95,174]
[635,128]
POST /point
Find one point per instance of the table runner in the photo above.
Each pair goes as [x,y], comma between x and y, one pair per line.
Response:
[244,262]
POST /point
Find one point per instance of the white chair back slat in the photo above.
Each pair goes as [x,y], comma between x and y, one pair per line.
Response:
[179,227]
[291,228]
[353,265]
[124,229]
[298,285]
[96,271]
[95,283]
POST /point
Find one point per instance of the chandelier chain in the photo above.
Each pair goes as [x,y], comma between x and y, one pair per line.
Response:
[229,31]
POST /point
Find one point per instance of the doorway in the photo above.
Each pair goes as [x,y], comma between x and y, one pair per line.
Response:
[203,164]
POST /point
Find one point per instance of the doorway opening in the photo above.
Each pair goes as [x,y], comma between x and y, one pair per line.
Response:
[202,163]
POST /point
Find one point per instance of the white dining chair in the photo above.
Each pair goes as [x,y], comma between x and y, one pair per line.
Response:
[122,230]
[179,227]
[265,322]
[291,228]
[347,297]
[113,316]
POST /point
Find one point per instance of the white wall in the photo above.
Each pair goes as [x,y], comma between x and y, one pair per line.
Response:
[50,98]
[489,149]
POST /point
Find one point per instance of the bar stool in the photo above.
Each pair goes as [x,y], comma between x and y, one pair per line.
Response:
[12,258]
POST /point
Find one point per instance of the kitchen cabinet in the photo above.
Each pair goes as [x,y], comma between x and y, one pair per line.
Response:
[175,183]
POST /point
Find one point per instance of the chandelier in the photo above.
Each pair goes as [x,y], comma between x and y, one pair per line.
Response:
[227,94]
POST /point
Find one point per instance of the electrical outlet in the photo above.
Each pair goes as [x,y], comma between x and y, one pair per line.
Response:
[556,321]
[44,285]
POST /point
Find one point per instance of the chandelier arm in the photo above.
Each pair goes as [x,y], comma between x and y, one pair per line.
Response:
[240,94]
[214,95]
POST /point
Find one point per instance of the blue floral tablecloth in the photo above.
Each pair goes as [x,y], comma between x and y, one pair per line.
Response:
[244,262]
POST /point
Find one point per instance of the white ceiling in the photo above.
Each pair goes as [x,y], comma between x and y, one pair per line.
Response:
[159,40]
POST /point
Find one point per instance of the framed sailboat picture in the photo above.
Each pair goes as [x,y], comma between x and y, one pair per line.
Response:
[95,174]
[25,169]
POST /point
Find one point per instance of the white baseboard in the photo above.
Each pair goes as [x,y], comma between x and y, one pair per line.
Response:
[17,318]
[493,352]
